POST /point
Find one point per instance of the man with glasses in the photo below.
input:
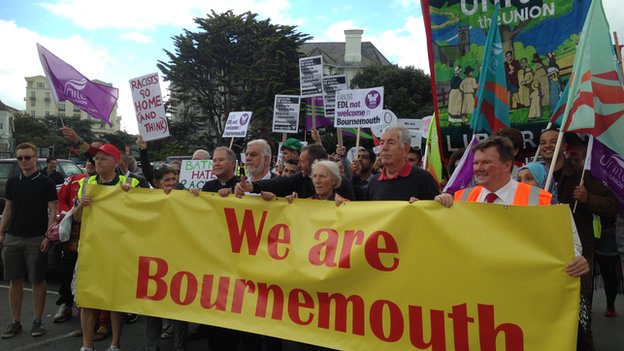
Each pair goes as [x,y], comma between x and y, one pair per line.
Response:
[106,160]
[30,197]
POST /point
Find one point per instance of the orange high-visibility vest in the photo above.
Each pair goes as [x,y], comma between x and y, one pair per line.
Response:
[526,195]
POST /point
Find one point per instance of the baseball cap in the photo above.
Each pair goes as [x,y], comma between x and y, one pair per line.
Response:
[292,144]
[110,150]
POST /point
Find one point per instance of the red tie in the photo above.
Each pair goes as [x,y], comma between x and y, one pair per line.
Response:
[490,198]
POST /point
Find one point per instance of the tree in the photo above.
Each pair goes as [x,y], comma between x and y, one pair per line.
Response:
[233,63]
[45,132]
[407,91]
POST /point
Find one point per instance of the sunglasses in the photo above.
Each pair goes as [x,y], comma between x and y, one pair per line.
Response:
[26,158]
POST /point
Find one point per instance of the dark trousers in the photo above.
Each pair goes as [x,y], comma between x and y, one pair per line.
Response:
[608,270]
[67,262]
[153,330]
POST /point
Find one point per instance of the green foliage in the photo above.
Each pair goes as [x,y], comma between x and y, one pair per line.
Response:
[44,132]
[232,63]
[407,91]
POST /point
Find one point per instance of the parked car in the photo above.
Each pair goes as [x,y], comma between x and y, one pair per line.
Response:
[9,167]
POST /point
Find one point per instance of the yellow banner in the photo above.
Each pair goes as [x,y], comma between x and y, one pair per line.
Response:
[363,276]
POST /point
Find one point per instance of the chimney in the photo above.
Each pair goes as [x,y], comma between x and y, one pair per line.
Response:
[353,45]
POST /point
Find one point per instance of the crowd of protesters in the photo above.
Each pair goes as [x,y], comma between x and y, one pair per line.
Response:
[304,172]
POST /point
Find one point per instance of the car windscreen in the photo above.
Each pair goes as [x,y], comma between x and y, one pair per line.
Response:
[69,168]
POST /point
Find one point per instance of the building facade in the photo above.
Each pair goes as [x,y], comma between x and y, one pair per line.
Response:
[7,140]
[40,104]
[346,58]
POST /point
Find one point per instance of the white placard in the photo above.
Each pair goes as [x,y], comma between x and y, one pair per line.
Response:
[332,84]
[149,107]
[359,108]
[388,118]
[415,127]
[426,121]
[286,114]
[195,173]
[237,124]
[311,76]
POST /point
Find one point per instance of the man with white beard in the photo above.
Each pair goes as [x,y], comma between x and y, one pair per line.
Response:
[258,160]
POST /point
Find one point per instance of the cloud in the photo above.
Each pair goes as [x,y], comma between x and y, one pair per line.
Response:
[138,37]
[24,60]
[406,46]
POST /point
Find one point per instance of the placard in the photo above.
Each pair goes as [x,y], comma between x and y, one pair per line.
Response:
[359,107]
[237,124]
[149,107]
[286,114]
[311,76]
[332,84]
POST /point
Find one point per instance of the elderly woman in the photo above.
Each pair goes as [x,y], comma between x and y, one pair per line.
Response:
[326,178]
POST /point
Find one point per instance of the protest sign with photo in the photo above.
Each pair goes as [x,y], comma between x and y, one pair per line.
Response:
[359,107]
[237,124]
[149,107]
[286,114]
[311,75]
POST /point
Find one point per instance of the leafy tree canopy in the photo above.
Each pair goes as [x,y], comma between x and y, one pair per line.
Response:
[232,63]
[407,91]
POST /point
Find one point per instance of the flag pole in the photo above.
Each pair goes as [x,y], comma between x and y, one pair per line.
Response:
[231,143]
[539,147]
[339,136]
[357,139]
[313,112]
[618,50]
[586,165]
[551,169]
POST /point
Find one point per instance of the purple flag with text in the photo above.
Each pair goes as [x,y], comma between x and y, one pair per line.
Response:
[67,84]
[596,99]
[607,166]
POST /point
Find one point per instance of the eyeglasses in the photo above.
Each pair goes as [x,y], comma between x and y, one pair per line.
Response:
[25,158]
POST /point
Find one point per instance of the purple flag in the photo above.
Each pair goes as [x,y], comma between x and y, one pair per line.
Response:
[66,83]
[321,120]
[608,166]
[463,176]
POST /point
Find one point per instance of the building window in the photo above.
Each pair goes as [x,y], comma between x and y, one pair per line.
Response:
[33,95]
[76,115]
[76,109]
[32,102]
[40,85]
[30,84]
[61,106]
[32,113]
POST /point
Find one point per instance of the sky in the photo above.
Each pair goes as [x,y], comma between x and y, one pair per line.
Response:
[115,41]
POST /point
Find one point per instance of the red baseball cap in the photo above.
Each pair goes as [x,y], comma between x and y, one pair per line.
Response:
[110,150]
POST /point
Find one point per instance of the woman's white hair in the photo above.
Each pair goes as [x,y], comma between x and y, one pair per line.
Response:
[332,167]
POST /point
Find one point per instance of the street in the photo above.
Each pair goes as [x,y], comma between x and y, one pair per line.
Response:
[608,335]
